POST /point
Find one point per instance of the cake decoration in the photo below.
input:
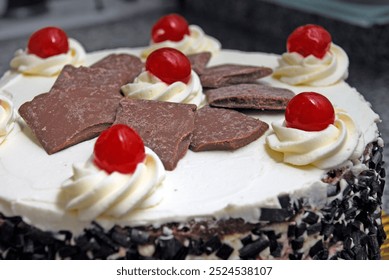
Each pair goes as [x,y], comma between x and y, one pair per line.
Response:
[199,61]
[173,31]
[122,177]
[168,76]
[312,58]
[230,74]
[223,129]
[7,117]
[314,134]
[49,49]
[249,96]
[165,127]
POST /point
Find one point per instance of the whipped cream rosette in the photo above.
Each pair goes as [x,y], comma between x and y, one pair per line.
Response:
[167,77]
[173,31]
[123,177]
[7,117]
[330,146]
[47,53]
[312,59]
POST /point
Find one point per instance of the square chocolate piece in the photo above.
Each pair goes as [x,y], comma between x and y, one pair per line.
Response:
[231,74]
[249,96]
[199,61]
[165,127]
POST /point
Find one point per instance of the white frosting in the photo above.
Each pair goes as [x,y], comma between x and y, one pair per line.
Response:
[32,64]
[7,117]
[92,192]
[217,183]
[148,86]
[294,69]
[324,149]
[196,42]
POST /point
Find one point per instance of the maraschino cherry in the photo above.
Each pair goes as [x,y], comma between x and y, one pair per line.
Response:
[119,148]
[172,27]
[47,42]
[169,65]
[309,111]
[309,39]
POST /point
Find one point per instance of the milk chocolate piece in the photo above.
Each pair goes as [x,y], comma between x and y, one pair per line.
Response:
[231,74]
[223,129]
[87,82]
[60,122]
[125,67]
[199,61]
[165,127]
[249,96]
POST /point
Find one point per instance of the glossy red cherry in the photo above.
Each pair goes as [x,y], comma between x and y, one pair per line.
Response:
[169,65]
[309,111]
[309,39]
[172,27]
[119,148]
[47,42]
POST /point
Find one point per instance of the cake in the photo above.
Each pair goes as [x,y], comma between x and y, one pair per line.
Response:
[266,195]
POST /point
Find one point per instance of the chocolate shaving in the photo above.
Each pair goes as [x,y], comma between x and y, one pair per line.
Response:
[165,127]
[222,129]
[231,74]
[250,96]
[199,61]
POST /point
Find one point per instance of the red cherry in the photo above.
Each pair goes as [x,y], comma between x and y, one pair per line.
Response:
[47,42]
[171,27]
[169,65]
[309,39]
[119,148]
[309,111]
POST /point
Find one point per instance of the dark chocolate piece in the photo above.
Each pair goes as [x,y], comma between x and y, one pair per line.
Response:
[165,127]
[125,67]
[60,122]
[249,96]
[253,249]
[224,252]
[222,129]
[231,74]
[199,61]
[275,215]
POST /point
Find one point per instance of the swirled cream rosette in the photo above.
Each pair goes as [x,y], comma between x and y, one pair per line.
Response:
[91,192]
[7,117]
[326,149]
[196,42]
[31,64]
[148,86]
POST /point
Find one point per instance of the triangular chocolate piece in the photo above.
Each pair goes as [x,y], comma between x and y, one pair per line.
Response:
[165,127]
[60,122]
[223,129]
[249,96]
[199,61]
[231,74]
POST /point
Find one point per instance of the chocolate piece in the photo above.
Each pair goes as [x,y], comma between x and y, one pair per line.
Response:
[199,61]
[224,252]
[253,249]
[275,215]
[222,129]
[165,127]
[87,82]
[249,96]
[125,67]
[231,74]
[60,122]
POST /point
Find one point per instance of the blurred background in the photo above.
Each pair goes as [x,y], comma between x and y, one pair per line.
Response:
[361,27]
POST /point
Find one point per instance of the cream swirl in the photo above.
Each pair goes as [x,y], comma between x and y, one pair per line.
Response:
[329,148]
[148,86]
[32,64]
[196,42]
[91,193]
[7,117]
[294,69]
